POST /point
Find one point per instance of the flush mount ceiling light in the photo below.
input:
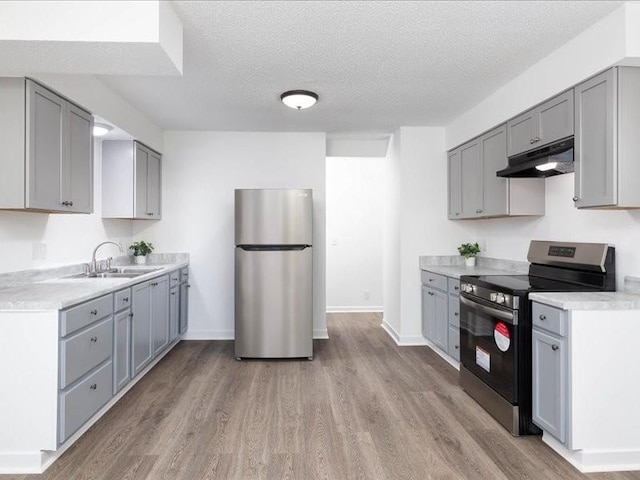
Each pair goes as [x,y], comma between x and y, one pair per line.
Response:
[299,99]
[100,129]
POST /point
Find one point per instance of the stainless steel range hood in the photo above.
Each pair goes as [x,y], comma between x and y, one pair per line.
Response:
[554,159]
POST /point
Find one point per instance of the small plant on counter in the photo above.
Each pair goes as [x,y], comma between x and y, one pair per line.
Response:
[141,248]
[468,250]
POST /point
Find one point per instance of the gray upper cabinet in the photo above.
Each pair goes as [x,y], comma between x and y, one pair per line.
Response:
[541,125]
[607,146]
[47,152]
[131,180]
[455,184]
[476,192]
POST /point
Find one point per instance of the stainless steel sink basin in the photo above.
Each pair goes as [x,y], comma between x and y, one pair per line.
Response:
[120,272]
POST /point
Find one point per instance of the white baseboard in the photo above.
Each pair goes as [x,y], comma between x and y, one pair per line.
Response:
[318,334]
[402,340]
[590,461]
[364,309]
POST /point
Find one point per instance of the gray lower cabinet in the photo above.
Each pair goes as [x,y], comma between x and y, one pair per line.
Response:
[550,359]
[607,113]
[184,300]
[47,150]
[174,313]
[150,321]
[131,180]
[434,308]
[453,348]
[453,345]
[121,349]
[541,125]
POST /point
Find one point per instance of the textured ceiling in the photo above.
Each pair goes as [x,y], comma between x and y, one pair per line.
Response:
[376,65]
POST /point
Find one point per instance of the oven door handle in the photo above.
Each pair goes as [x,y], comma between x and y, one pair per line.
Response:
[501,314]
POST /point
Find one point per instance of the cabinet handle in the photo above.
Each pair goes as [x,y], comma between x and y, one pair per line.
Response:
[457,347]
[479,210]
[554,347]
[131,315]
[93,386]
[534,140]
[456,288]
[93,312]
[431,279]
[543,317]
[456,314]
[188,286]
[575,199]
[94,339]
[457,213]
[125,299]
[149,213]
[173,293]
[67,203]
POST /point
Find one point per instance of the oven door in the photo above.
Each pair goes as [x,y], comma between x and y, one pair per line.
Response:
[488,344]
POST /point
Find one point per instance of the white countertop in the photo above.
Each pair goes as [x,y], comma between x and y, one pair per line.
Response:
[60,293]
[453,266]
[456,271]
[589,300]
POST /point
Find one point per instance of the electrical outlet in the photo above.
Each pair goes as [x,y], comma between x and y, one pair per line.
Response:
[366,294]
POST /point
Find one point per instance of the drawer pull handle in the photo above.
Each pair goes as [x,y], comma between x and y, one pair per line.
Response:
[94,339]
[431,279]
[93,386]
[93,312]
[575,199]
[457,347]
[173,293]
[543,317]
[554,347]
[125,299]
[456,287]
[131,315]
[456,314]
[188,286]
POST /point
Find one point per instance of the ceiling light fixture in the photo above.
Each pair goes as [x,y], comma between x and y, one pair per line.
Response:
[100,129]
[299,99]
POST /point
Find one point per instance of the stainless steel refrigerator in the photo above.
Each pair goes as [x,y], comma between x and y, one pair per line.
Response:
[273,273]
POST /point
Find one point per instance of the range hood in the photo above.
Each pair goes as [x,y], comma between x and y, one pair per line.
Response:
[547,161]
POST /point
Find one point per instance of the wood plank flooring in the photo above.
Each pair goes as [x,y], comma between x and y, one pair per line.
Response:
[362,409]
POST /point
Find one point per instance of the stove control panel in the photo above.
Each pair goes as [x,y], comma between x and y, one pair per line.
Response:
[499,298]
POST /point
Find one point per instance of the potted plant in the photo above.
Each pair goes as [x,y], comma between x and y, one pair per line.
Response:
[469,252]
[140,251]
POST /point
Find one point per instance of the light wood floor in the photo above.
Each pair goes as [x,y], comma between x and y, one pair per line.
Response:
[364,408]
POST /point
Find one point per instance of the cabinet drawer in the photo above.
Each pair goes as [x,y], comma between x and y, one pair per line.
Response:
[454,311]
[121,299]
[85,314]
[453,286]
[549,318]
[184,275]
[84,351]
[174,278]
[81,402]
[433,280]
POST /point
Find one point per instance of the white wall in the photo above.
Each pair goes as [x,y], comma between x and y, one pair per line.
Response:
[65,238]
[199,174]
[415,224]
[355,202]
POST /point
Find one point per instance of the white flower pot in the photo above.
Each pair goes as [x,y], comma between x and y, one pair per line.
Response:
[140,259]
[470,261]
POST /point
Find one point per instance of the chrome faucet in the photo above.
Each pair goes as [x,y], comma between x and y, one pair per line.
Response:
[94,265]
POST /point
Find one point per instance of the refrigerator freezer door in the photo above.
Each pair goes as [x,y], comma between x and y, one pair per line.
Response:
[273,217]
[274,303]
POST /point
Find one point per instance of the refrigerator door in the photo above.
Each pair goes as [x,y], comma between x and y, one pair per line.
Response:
[273,217]
[274,303]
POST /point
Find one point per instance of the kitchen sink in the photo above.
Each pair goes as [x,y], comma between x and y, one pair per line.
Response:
[120,272]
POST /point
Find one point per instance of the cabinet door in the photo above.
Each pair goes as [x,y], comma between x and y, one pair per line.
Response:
[549,383]
[494,158]
[441,319]
[471,165]
[174,313]
[595,145]
[141,156]
[45,126]
[141,327]
[556,118]
[454,342]
[77,169]
[154,186]
[428,327]
[121,350]
[522,132]
[455,185]
[160,313]
[184,307]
